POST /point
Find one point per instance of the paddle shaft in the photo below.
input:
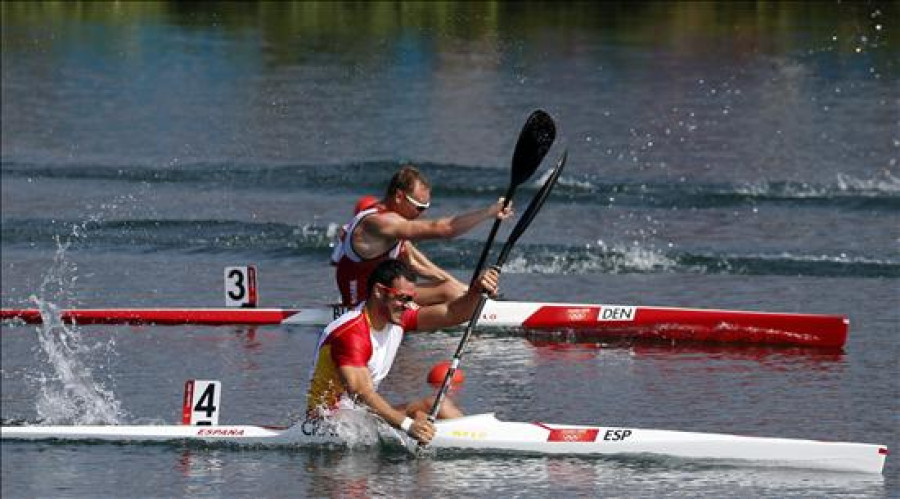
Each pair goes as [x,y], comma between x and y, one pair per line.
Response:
[507,198]
[457,358]
[534,141]
[517,232]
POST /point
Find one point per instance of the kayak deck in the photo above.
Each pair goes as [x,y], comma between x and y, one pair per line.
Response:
[486,432]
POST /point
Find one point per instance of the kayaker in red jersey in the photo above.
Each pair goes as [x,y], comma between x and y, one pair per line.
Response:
[356,351]
[386,230]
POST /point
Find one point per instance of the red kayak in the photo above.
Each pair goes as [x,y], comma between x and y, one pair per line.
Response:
[604,321]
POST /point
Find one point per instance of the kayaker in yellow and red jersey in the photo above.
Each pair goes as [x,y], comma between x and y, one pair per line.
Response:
[356,351]
[386,230]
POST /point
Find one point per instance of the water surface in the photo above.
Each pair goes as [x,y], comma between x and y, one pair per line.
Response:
[736,155]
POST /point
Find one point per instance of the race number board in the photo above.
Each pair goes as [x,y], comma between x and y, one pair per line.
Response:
[240,286]
[202,400]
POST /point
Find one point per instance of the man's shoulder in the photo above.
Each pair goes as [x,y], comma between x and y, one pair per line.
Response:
[378,229]
[349,339]
[351,319]
[381,218]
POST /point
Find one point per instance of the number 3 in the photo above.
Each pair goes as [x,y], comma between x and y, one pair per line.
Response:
[238,284]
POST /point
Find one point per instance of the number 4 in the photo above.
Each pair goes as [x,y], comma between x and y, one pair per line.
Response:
[202,401]
[207,401]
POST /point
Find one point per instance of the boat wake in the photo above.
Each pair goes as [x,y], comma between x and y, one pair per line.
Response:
[275,240]
[880,192]
[643,259]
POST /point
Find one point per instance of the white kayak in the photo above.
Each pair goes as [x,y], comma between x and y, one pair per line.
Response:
[486,433]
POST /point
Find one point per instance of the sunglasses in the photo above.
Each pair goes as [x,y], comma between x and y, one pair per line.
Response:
[417,204]
[397,294]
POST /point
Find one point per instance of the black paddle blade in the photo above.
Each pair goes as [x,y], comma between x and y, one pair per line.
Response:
[535,140]
[533,207]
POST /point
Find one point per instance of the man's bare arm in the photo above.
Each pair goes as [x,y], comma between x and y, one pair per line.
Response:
[397,227]
[459,310]
[423,266]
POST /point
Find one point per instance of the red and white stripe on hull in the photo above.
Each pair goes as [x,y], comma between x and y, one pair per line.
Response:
[603,321]
[675,324]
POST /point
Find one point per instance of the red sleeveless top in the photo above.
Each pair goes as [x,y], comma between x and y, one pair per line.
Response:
[352,270]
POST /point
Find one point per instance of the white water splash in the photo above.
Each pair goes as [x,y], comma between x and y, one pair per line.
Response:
[357,428]
[571,183]
[354,427]
[882,184]
[789,191]
[637,257]
[601,258]
[886,183]
[68,392]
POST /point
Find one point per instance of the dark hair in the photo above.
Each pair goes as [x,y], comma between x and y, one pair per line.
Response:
[386,272]
[404,180]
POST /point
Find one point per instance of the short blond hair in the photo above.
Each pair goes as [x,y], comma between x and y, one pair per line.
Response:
[405,179]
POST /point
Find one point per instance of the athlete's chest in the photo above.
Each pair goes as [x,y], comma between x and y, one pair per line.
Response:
[385,343]
[370,246]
